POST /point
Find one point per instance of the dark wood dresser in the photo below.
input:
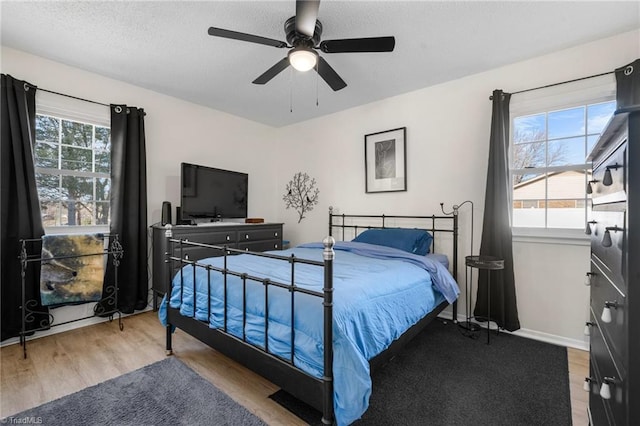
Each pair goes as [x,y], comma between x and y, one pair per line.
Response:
[243,236]
[614,375]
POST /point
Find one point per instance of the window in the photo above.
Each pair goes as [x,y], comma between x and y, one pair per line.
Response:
[548,162]
[72,164]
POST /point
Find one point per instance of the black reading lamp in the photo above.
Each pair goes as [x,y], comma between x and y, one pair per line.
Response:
[468,324]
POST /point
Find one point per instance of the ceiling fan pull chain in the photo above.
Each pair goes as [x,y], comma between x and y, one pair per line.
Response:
[317,77]
[291,91]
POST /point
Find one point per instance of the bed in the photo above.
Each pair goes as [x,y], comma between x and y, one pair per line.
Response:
[276,312]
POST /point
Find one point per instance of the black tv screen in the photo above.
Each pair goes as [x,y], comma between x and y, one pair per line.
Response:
[211,194]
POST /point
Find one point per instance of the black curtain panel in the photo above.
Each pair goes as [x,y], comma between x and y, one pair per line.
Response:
[496,229]
[628,86]
[129,207]
[19,207]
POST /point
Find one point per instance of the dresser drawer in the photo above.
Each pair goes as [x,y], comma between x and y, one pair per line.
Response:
[188,251]
[610,178]
[599,411]
[605,294]
[193,254]
[247,235]
[608,241]
[196,253]
[216,238]
[260,245]
[606,370]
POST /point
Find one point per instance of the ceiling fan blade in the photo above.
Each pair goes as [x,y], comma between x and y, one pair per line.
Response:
[219,32]
[306,16]
[371,44]
[329,75]
[272,72]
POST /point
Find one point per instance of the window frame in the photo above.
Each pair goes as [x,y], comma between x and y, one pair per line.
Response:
[559,97]
[76,110]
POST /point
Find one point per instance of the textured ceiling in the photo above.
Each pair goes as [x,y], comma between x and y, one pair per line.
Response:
[164,46]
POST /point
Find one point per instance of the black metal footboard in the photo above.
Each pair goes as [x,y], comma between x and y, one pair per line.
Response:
[317,392]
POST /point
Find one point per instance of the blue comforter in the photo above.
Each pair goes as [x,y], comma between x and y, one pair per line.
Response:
[379,292]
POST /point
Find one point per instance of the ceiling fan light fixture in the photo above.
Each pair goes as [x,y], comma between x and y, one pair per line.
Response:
[303,59]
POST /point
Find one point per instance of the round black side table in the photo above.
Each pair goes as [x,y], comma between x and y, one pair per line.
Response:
[488,263]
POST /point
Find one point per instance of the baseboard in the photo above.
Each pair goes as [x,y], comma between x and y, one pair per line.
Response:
[533,334]
[551,338]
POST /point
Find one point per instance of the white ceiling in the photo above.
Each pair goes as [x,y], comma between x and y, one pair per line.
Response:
[164,46]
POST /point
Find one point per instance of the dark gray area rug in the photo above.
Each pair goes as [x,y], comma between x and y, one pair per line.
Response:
[164,393]
[443,378]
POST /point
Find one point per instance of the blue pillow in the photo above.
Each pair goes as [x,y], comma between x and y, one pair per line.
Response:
[416,241]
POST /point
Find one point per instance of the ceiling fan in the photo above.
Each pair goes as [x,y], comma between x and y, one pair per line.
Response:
[303,33]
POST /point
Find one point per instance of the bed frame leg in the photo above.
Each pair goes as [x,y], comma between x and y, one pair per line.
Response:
[327,379]
[168,350]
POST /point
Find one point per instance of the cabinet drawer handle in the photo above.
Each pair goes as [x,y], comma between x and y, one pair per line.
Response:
[606,238]
[607,180]
[246,236]
[276,234]
[186,256]
[606,311]
[588,228]
[605,389]
[589,187]
[275,246]
[587,328]
[588,277]
[228,238]
[586,386]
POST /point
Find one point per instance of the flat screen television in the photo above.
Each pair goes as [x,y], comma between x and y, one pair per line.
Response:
[208,194]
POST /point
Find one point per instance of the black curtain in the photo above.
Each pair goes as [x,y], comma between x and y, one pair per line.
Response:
[628,86]
[496,226]
[19,207]
[129,207]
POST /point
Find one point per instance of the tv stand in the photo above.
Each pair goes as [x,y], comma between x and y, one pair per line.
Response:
[243,236]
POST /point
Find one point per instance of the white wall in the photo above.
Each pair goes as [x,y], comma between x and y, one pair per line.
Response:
[176,131]
[448,130]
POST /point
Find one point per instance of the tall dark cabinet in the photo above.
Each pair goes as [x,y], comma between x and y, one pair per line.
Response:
[251,237]
[614,375]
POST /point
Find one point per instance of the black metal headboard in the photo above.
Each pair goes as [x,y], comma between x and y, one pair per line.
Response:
[349,226]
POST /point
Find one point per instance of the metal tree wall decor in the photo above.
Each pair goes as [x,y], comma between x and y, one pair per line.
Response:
[301,194]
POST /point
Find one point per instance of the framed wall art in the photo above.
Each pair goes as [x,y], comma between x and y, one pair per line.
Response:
[385,161]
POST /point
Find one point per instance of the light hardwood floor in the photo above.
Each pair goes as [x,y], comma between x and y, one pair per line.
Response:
[578,370]
[67,362]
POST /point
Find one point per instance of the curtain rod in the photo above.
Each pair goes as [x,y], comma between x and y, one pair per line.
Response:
[68,96]
[74,97]
[562,82]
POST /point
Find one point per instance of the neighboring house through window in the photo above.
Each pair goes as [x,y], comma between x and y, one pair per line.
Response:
[551,137]
[72,162]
